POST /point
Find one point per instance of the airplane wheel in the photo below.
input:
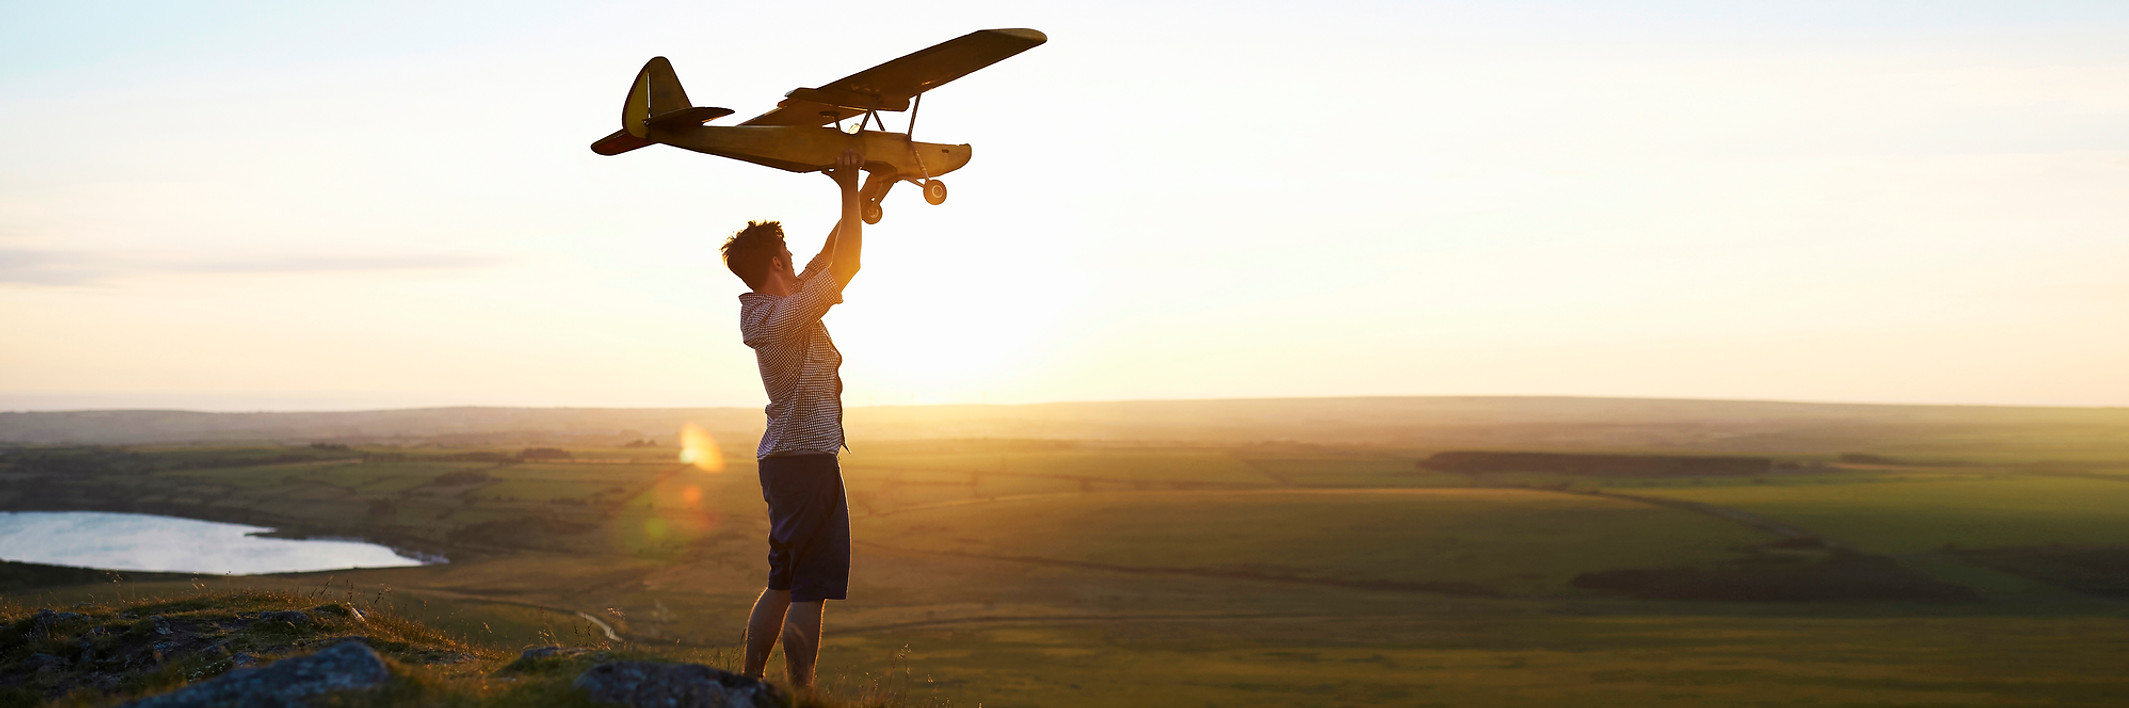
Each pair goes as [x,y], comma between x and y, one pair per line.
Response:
[935,192]
[872,213]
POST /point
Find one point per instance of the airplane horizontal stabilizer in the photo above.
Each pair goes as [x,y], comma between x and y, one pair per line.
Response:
[618,143]
[687,117]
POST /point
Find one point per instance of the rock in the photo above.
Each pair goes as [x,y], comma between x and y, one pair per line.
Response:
[283,684]
[290,616]
[648,684]
[536,653]
[551,661]
[45,619]
[170,638]
[45,664]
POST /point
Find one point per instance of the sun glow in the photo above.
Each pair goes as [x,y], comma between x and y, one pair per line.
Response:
[700,450]
[954,315]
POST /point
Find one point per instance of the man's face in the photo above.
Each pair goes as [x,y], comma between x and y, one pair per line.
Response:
[788,269]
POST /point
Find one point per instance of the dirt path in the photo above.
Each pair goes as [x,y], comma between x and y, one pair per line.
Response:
[1252,490]
[621,502]
[1443,588]
[2073,474]
[1722,512]
[1071,619]
[603,626]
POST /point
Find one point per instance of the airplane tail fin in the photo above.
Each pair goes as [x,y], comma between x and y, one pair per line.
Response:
[656,91]
[654,100]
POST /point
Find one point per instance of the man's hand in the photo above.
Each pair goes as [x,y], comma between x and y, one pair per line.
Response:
[845,172]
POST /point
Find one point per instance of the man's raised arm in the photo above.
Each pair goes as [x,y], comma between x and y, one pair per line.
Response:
[827,253]
[847,241]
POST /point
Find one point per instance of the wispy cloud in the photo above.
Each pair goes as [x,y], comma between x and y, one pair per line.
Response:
[46,268]
[64,268]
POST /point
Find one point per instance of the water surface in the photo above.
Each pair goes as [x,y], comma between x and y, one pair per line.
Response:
[113,541]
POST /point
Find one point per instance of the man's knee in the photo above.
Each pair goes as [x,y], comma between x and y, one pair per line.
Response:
[807,611]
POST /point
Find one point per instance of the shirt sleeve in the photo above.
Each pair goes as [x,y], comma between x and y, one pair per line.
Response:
[814,267]
[791,315]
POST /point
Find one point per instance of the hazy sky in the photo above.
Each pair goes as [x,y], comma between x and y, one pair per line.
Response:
[234,206]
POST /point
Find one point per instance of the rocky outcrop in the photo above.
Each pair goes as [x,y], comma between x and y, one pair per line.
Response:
[645,684]
[46,619]
[286,683]
[538,653]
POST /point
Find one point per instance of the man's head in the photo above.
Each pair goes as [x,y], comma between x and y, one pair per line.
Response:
[756,251]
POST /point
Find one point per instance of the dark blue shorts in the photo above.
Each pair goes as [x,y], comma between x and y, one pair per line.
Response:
[809,526]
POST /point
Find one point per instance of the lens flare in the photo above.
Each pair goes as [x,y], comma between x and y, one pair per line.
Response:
[699,449]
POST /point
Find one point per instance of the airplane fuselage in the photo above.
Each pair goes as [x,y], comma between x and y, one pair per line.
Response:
[812,148]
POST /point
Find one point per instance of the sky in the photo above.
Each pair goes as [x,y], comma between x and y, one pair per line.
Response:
[328,206]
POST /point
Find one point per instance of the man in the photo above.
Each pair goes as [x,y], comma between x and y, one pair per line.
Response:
[809,520]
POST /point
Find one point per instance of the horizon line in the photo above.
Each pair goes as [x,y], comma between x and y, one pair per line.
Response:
[1241,399]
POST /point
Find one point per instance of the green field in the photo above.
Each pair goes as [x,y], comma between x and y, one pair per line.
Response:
[1499,659]
[1491,541]
[1904,513]
[1008,572]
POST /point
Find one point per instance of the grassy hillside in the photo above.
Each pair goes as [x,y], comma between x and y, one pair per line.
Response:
[1043,572]
[1916,513]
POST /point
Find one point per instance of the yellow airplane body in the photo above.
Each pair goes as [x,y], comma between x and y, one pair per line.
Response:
[806,149]
[796,136]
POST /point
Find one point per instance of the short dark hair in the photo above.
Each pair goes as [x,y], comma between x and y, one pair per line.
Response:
[749,252]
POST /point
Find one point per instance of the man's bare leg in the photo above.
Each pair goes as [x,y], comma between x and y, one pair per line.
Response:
[762,628]
[802,641]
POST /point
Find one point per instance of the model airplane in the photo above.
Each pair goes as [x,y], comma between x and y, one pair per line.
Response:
[794,136]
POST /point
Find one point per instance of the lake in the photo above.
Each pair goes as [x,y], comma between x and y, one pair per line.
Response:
[145,542]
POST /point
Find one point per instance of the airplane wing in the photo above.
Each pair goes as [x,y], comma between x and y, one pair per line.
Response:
[889,86]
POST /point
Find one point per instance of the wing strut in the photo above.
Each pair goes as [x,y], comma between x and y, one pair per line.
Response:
[913,108]
[918,105]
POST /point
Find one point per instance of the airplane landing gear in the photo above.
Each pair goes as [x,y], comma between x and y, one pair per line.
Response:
[935,192]
[875,189]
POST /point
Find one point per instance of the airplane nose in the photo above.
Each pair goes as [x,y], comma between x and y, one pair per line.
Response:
[953,157]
